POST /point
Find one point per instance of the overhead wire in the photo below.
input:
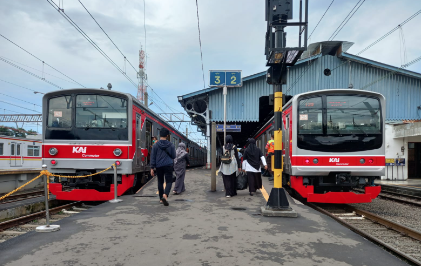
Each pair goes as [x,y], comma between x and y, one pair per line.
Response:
[108,36]
[20,99]
[22,87]
[320,19]
[346,19]
[40,60]
[65,16]
[30,73]
[200,45]
[20,106]
[362,51]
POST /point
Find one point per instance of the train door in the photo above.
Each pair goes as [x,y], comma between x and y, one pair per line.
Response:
[16,158]
[148,140]
[138,139]
[285,143]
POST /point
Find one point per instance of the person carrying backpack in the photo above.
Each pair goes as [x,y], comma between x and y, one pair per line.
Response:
[230,163]
[163,153]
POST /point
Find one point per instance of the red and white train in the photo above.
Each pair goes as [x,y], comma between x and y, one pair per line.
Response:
[87,130]
[333,141]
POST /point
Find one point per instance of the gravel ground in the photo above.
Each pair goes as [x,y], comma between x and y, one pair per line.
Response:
[400,213]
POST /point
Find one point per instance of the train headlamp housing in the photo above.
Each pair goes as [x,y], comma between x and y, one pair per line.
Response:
[362,161]
[315,161]
[117,152]
[52,151]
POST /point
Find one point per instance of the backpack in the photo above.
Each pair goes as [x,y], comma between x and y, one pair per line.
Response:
[227,158]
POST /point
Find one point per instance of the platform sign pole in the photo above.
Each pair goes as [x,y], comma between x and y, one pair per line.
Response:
[115,200]
[47,227]
[213,164]
[225,113]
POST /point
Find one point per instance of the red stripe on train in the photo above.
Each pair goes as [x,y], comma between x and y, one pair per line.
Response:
[338,160]
[86,151]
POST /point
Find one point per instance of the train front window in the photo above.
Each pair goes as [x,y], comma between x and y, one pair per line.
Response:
[339,123]
[353,115]
[310,116]
[100,111]
[60,112]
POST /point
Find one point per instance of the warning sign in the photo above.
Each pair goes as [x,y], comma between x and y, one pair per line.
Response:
[390,161]
[303,117]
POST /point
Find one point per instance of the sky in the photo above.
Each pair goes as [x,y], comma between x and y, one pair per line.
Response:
[232,36]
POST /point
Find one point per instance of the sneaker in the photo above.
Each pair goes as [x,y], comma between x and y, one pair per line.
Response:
[228,196]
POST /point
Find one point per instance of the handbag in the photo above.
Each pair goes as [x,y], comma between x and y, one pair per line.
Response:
[242,181]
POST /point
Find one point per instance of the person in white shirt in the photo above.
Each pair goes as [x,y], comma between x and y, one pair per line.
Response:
[251,165]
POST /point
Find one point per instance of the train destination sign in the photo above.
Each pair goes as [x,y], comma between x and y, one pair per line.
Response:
[221,78]
[230,128]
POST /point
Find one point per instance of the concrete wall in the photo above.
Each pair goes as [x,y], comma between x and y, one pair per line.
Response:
[10,182]
[393,150]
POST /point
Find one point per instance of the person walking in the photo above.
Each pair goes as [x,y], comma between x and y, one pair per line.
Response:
[180,163]
[163,153]
[251,165]
[229,171]
[270,147]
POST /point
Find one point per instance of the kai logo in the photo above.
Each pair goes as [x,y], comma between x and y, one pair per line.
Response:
[333,160]
[79,150]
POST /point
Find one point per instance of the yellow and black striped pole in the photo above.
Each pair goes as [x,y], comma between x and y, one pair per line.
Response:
[278,160]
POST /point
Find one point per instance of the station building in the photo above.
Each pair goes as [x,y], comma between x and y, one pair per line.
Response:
[325,65]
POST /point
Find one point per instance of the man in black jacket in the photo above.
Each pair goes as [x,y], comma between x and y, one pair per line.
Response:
[163,153]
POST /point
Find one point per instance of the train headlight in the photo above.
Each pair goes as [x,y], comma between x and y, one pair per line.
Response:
[117,152]
[315,160]
[362,161]
[52,151]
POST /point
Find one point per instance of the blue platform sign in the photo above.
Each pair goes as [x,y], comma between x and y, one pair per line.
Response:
[217,78]
[229,78]
[230,128]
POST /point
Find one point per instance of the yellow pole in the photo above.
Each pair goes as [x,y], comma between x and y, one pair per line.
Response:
[278,142]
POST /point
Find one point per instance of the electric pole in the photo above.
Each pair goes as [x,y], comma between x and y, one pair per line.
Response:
[279,57]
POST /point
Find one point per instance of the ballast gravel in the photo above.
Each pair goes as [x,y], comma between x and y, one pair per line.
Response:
[404,214]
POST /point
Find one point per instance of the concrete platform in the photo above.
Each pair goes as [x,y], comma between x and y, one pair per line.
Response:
[198,228]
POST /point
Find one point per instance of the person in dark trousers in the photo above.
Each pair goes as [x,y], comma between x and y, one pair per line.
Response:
[180,163]
[251,164]
[270,147]
[163,153]
[229,171]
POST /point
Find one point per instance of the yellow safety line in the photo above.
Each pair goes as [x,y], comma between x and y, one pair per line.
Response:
[264,193]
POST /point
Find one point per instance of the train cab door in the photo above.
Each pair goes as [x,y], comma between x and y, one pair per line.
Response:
[16,158]
[286,143]
[139,154]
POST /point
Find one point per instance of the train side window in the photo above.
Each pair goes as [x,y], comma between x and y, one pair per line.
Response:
[33,150]
[18,149]
[1,148]
[12,149]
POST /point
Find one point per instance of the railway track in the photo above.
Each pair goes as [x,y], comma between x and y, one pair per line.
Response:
[394,237]
[25,196]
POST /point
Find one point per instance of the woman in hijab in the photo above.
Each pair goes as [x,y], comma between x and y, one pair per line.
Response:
[251,164]
[180,162]
[229,171]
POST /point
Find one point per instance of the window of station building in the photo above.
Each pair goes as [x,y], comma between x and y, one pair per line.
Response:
[1,148]
[101,111]
[33,150]
[60,112]
[310,116]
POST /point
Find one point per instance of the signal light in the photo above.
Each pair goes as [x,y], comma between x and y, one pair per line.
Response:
[307,161]
[118,163]
[53,162]
[371,161]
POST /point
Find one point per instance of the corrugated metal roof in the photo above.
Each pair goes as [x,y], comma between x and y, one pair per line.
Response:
[403,93]
[242,102]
